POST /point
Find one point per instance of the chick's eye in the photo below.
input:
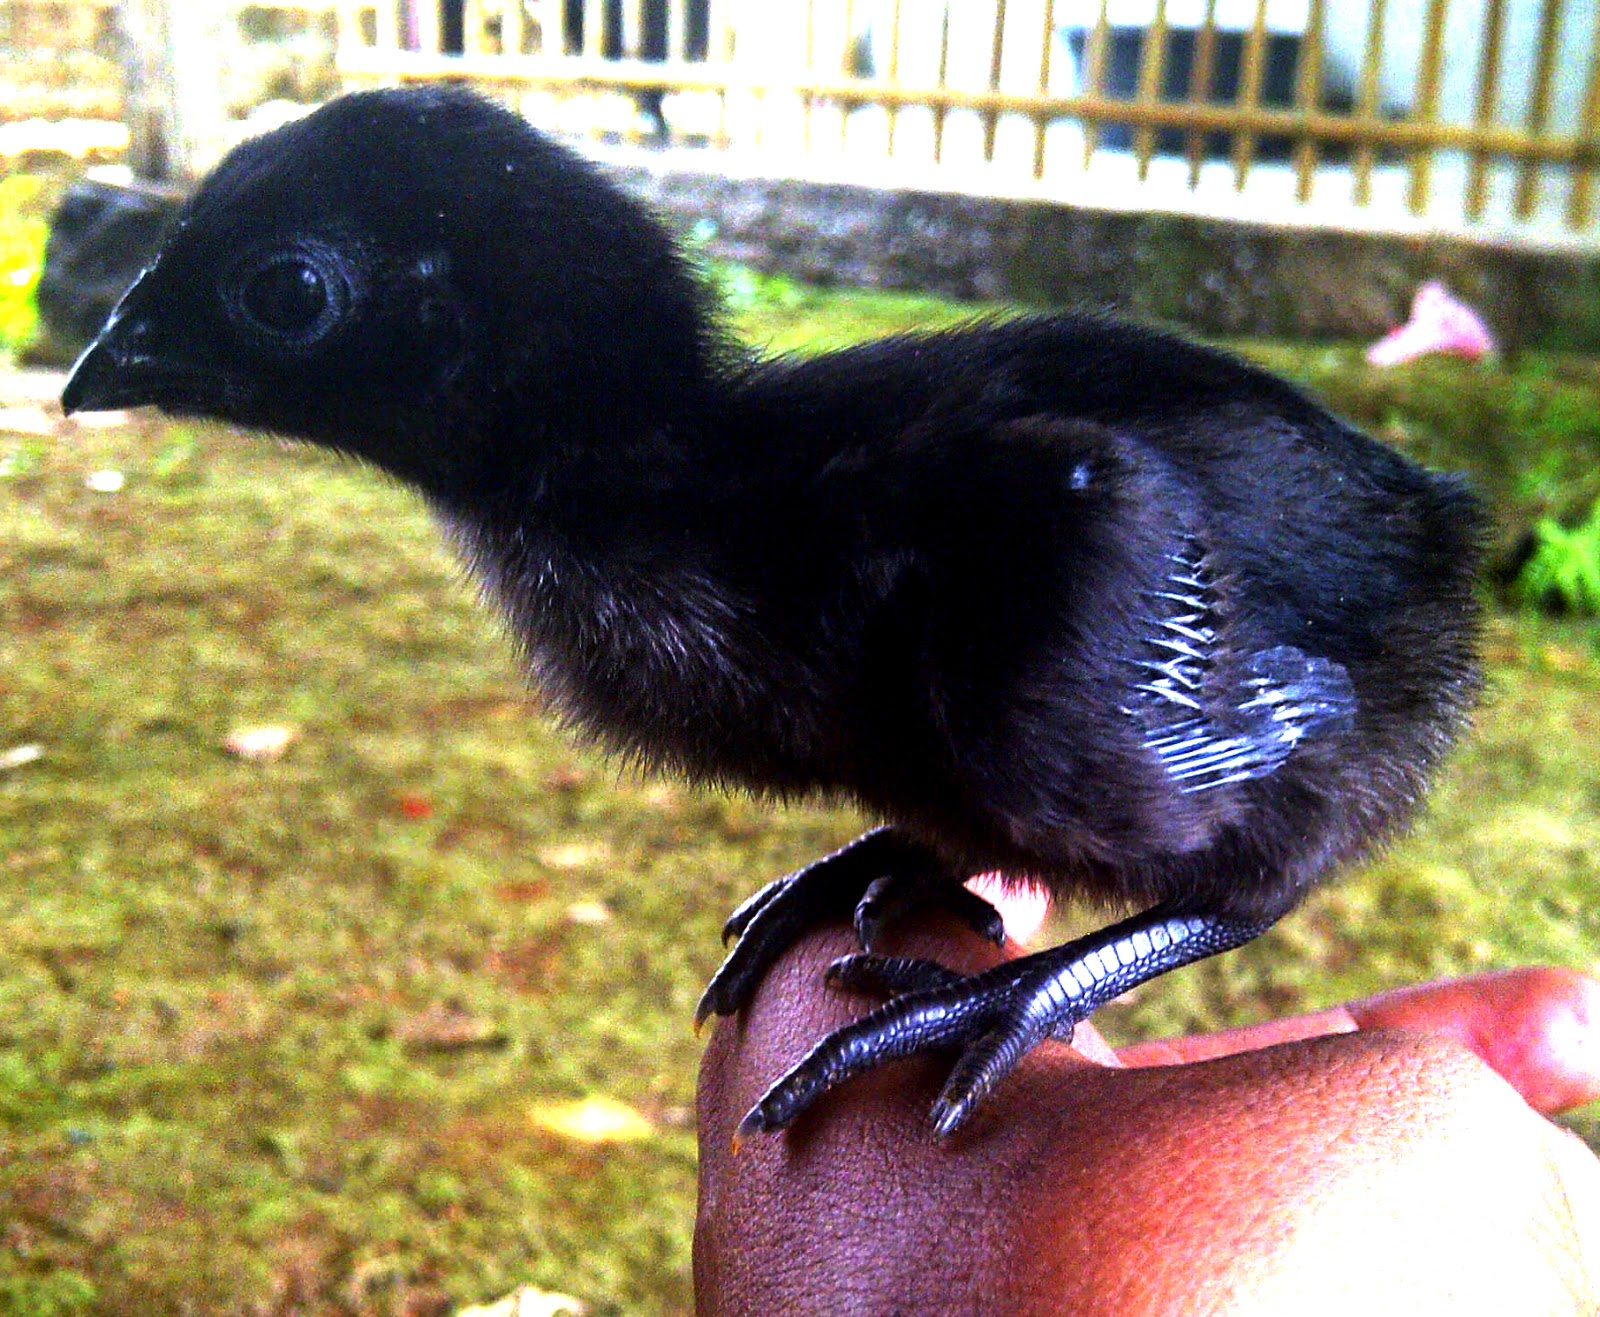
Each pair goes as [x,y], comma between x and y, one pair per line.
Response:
[296,296]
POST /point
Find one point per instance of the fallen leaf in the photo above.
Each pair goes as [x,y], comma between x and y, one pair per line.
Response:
[531,889]
[444,1027]
[575,854]
[266,742]
[588,914]
[592,1120]
[414,806]
[527,1301]
[19,755]
[104,482]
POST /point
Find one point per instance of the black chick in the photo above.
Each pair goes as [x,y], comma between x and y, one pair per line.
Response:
[1058,596]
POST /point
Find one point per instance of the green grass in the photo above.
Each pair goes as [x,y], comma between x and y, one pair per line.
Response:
[23,230]
[1564,565]
[223,1087]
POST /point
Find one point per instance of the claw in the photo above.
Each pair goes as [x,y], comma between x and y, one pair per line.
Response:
[769,922]
[894,894]
[995,1017]
[892,975]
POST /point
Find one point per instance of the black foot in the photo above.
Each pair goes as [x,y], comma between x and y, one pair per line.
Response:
[878,877]
[994,1017]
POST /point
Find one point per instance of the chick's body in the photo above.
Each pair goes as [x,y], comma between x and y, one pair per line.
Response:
[1058,596]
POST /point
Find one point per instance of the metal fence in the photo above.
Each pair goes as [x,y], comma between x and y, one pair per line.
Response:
[1480,115]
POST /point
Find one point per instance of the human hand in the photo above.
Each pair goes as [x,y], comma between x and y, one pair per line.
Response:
[1380,1158]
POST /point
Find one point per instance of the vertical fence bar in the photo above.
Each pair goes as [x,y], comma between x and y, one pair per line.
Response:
[894,71]
[348,34]
[632,24]
[1580,202]
[1532,171]
[1483,114]
[1426,108]
[1152,64]
[511,27]
[941,110]
[808,56]
[847,108]
[594,28]
[1041,124]
[719,51]
[1307,98]
[552,27]
[1367,102]
[387,13]
[473,37]
[426,15]
[991,118]
[1201,73]
[1096,52]
[1252,69]
[677,30]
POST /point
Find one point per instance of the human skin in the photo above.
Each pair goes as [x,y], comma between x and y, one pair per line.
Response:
[1378,1158]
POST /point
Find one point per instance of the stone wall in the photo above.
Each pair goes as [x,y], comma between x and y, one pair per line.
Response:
[1215,277]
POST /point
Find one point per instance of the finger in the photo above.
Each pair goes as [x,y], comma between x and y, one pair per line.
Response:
[1538,1028]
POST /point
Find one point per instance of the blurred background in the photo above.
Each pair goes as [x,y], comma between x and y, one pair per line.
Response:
[333,977]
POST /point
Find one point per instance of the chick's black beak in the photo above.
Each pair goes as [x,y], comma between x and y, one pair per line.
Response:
[112,372]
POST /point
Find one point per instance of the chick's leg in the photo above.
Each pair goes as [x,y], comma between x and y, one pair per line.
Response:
[876,878]
[992,1018]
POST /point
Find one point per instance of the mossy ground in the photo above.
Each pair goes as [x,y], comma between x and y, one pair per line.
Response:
[228,1077]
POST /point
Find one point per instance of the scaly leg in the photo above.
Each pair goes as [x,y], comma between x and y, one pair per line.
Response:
[993,1017]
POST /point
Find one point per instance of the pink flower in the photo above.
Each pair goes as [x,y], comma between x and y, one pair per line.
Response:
[1439,323]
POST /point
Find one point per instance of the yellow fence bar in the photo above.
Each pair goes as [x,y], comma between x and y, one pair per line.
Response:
[940,113]
[1539,110]
[1251,72]
[1580,201]
[350,31]
[894,69]
[678,29]
[632,29]
[1307,96]
[523,43]
[388,26]
[1367,101]
[1047,46]
[1398,134]
[425,17]
[1201,72]
[1096,54]
[996,55]
[513,27]
[552,27]
[1426,108]
[1152,67]
[1494,24]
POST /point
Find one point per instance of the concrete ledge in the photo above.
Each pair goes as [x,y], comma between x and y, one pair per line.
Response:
[1216,277]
